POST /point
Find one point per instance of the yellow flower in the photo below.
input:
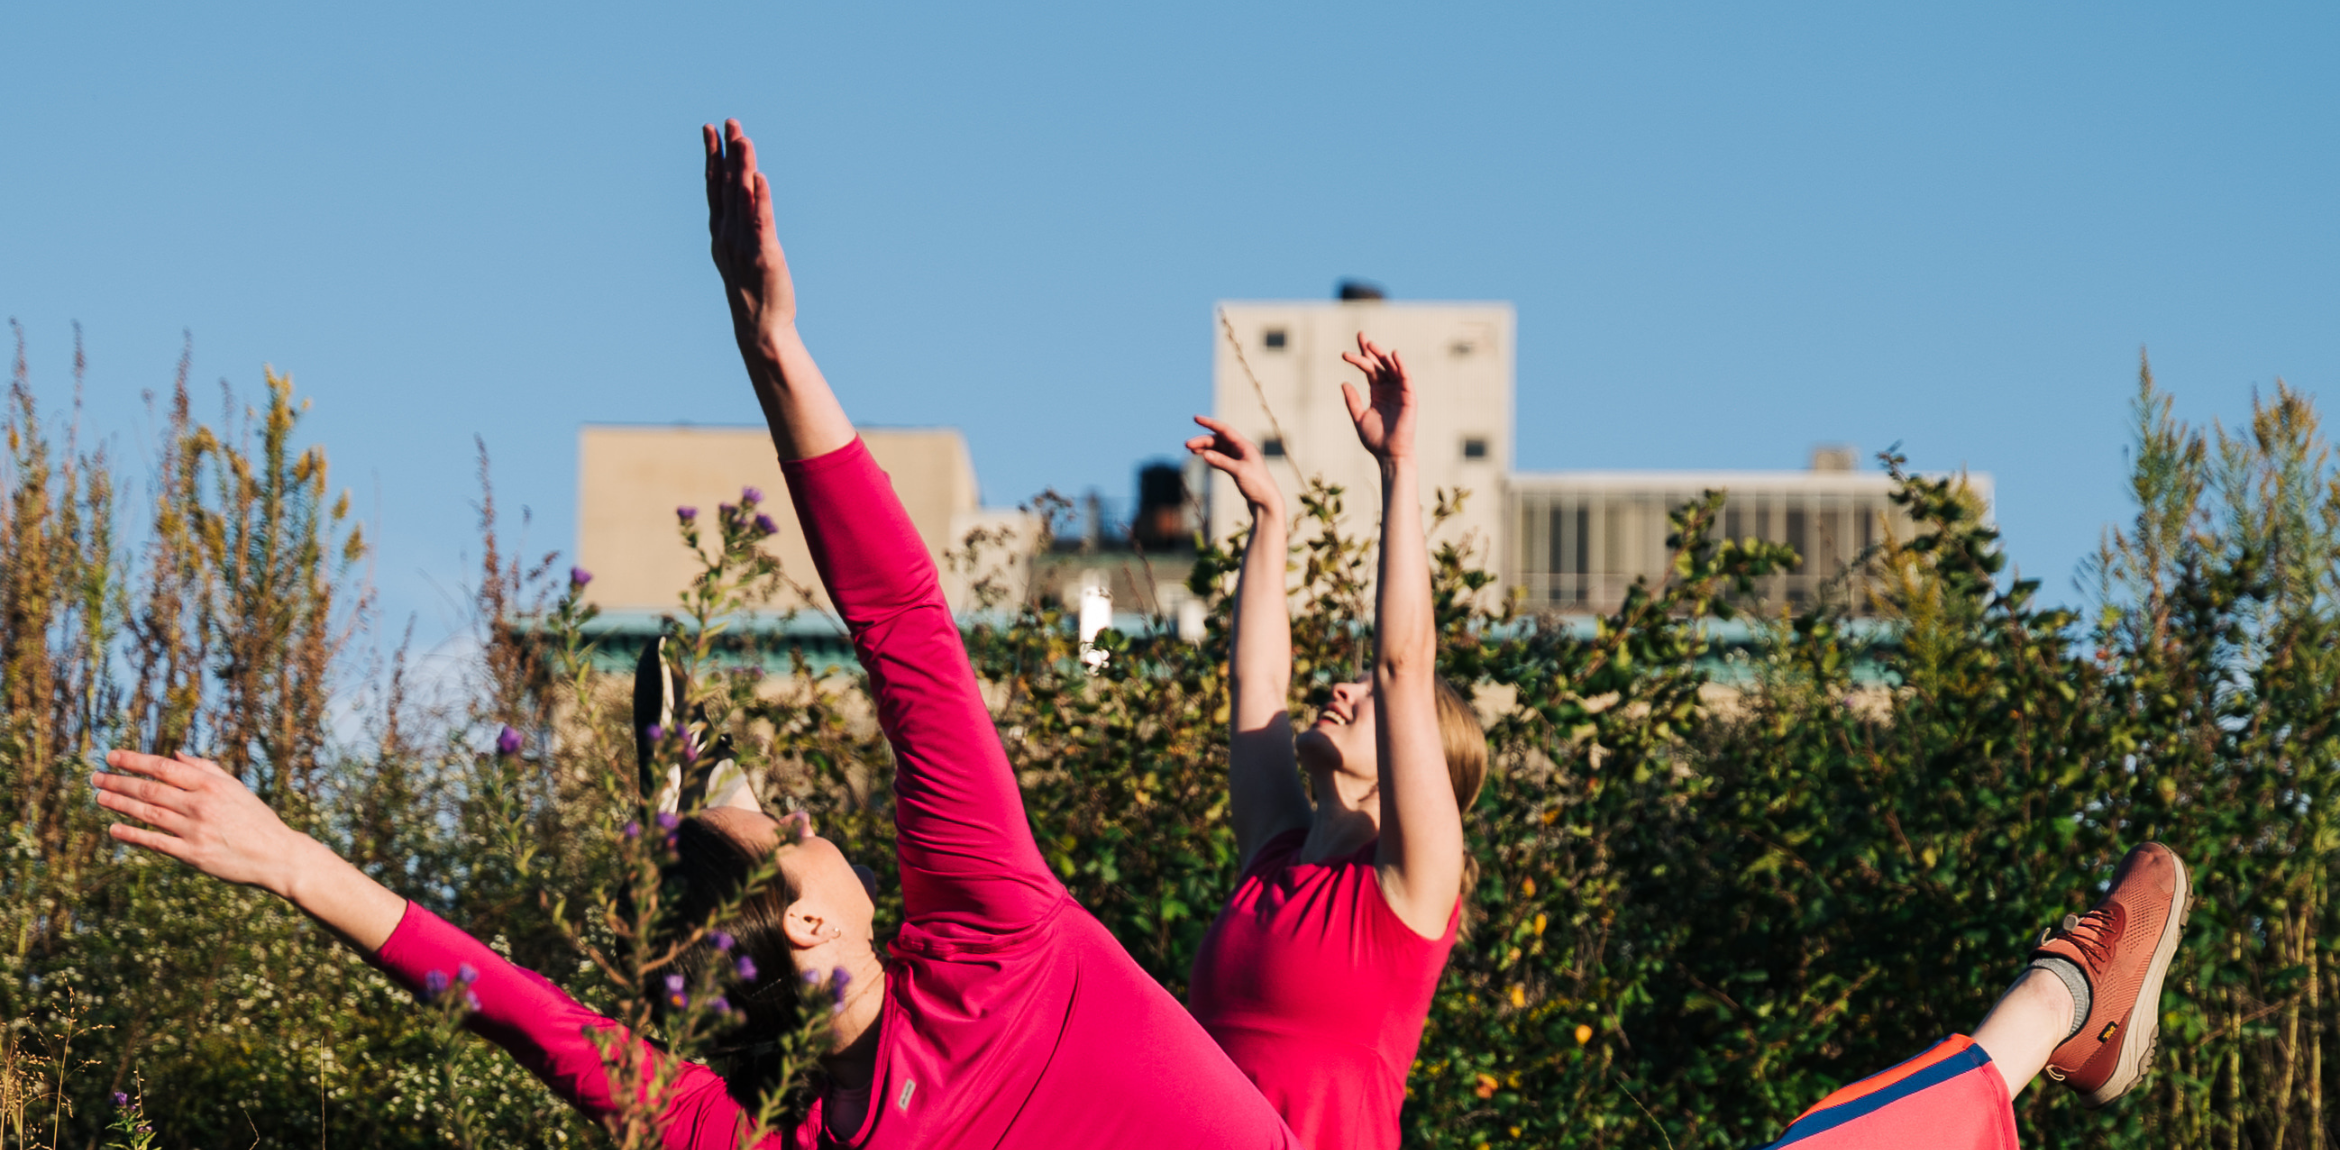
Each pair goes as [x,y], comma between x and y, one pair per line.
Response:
[1518,995]
[1487,1085]
[1528,887]
[1583,1034]
[1539,926]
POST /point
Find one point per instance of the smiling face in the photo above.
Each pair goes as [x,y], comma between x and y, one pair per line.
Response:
[1340,741]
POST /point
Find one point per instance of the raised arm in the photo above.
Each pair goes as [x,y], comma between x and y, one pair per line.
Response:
[1265,797]
[200,815]
[966,849]
[804,415]
[1421,847]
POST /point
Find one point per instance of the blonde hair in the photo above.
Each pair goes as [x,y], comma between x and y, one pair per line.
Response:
[1465,744]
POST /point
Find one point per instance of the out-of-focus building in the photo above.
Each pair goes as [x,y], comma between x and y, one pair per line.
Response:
[631,479]
[1459,356]
[1572,543]
[1580,539]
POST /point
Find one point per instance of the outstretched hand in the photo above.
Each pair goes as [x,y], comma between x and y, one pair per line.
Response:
[1385,414]
[1242,462]
[200,815]
[745,241]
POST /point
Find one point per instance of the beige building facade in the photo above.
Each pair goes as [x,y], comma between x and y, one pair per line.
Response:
[1580,539]
[1459,356]
[1571,543]
[630,480]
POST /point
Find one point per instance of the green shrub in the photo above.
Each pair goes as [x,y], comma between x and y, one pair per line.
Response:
[1699,907]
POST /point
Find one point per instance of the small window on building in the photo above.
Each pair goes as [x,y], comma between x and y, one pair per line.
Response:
[1474,447]
[1461,348]
[1272,447]
[1274,339]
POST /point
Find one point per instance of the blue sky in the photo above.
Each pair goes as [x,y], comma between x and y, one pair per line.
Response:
[1731,231]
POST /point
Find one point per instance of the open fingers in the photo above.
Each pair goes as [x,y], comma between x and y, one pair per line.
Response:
[1215,458]
[184,774]
[743,159]
[155,841]
[1227,435]
[145,812]
[1357,407]
[714,145]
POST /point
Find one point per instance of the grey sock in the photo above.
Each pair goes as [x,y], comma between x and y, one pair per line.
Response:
[2074,981]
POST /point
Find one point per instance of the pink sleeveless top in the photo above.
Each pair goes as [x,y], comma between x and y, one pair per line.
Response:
[1318,991]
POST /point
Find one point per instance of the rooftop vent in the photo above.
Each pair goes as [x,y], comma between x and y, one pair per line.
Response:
[1835,457]
[1360,289]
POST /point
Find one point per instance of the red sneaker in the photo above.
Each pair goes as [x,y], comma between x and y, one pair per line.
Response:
[2124,945]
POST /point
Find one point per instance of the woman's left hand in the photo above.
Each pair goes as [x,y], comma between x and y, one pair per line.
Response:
[1385,415]
[202,816]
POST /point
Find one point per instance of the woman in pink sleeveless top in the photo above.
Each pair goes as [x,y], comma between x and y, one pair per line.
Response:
[1318,975]
[1001,1015]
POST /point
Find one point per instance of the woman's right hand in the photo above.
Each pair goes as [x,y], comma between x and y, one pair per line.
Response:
[1242,462]
[746,243]
[202,816]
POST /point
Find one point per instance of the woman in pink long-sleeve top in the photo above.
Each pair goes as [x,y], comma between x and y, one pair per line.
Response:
[1318,975]
[1003,1015]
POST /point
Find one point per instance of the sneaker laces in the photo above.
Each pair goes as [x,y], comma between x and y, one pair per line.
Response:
[2089,932]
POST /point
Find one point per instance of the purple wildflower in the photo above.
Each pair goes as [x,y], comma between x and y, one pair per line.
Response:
[723,1005]
[434,985]
[578,576]
[471,1001]
[653,732]
[765,526]
[667,820]
[674,991]
[121,1100]
[507,742]
[751,495]
[633,828]
[839,979]
[725,509]
[467,974]
[747,969]
[687,514]
[720,941]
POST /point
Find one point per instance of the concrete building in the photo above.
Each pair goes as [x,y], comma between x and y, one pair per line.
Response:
[1579,539]
[1460,358]
[631,479]
[1572,542]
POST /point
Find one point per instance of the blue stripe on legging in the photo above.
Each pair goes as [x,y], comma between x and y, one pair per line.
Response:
[1971,1058]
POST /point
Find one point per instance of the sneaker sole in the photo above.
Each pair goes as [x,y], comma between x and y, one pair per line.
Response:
[2138,1045]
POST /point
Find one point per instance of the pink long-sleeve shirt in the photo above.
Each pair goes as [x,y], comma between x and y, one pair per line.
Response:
[1012,1018]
